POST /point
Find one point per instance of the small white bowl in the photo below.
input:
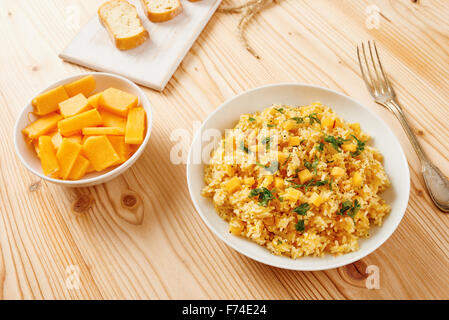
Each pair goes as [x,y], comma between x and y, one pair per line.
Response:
[395,163]
[27,155]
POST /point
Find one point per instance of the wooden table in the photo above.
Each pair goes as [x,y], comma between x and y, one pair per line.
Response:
[163,249]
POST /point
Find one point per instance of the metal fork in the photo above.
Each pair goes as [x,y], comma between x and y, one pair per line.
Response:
[380,88]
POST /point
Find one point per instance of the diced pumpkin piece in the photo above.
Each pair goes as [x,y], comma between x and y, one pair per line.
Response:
[355,126]
[327,123]
[47,102]
[84,85]
[79,168]
[56,139]
[316,199]
[74,105]
[267,181]
[100,152]
[232,185]
[282,157]
[289,125]
[112,120]
[304,176]
[117,101]
[42,125]
[67,153]
[292,195]
[122,149]
[98,131]
[94,99]
[75,124]
[357,179]
[135,126]
[77,138]
[349,147]
[249,181]
[90,168]
[294,141]
[337,172]
[236,227]
[36,146]
[47,155]
[278,183]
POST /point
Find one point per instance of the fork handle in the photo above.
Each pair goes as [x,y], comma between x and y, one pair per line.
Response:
[436,182]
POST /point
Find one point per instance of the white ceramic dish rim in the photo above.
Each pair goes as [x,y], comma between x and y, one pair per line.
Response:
[94,180]
[327,266]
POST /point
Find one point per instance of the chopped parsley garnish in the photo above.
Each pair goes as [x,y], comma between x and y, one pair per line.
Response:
[264,195]
[272,168]
[270,125]
[345,206]
[349,209]
[251,119]
[302,209]
[335,142]
[300,226]
[279,242]
[360,146]
[243,147]
[312,166]
[281,110]
[297,119]
[266,142]
[320,146]
[309,184]
[313,118]
[330,184]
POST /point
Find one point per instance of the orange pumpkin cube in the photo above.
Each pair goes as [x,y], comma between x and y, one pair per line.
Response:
[93,100]
[76,123]
[100,152]
[79,168]
[117,101]
[135,126]
[42,125]
[47,102]
[123,150]
[107,131]
[47,155]
[67,154]
[84,85]
[112,120]
[74,105]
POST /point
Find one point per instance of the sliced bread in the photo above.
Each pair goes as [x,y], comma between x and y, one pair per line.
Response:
[123,24]
[161,10]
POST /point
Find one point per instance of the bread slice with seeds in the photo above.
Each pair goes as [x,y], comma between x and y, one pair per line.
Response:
[161,10]
[123,24]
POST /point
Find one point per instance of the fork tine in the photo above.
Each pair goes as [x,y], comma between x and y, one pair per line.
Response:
[379,81]
[387,81]
[365,79]
[368,70]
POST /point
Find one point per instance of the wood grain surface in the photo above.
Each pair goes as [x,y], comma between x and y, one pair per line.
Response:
[161,248]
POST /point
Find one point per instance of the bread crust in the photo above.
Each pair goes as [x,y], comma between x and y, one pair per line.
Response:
[161,16]
[128,42]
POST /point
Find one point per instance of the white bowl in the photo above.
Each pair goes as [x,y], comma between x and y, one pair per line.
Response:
[395,163]
[28,156]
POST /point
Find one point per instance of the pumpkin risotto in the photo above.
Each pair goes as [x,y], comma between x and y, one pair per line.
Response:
[298,180]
